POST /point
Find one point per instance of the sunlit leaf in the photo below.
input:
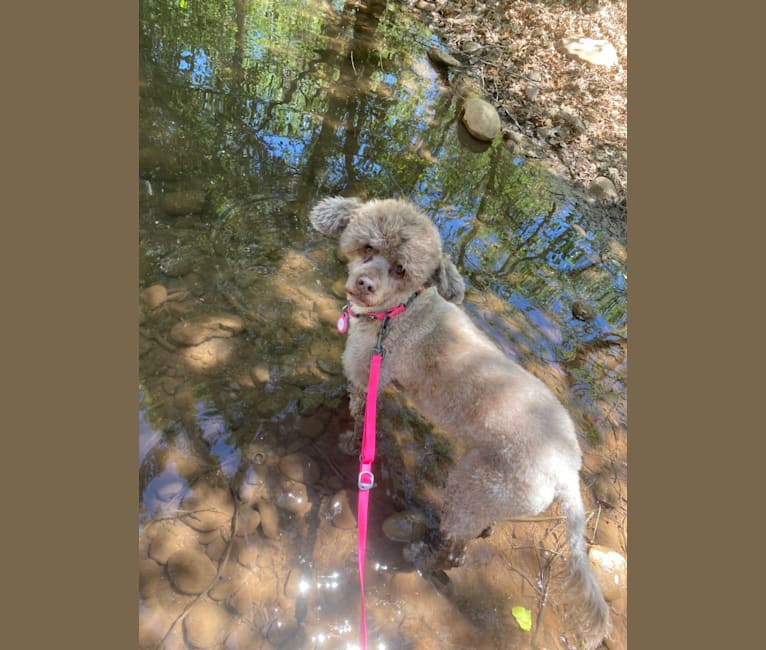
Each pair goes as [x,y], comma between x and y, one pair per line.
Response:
[523,617]
[182,4]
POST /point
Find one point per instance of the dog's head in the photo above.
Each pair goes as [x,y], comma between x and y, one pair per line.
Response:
[392,250]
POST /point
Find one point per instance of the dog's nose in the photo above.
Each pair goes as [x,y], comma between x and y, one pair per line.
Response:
[365,284]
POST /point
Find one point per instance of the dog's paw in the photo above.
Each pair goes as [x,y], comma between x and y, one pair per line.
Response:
[428,560]
[424,560]
[416,553]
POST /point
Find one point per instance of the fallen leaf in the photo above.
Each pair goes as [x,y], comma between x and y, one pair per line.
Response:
[523,617]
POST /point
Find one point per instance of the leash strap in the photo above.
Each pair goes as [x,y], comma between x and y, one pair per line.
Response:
[366,481]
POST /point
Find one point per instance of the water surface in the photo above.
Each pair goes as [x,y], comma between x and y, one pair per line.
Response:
[251,112]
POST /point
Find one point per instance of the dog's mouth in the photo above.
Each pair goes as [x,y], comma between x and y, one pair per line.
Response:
[360,299]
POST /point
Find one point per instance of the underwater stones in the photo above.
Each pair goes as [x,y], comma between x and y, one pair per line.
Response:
[253,487]
[611,570]
[408,526]
[481,119]
[281,630]
[154,296]
[224,586]
[149,573]
[340,511]
[248,522]
[260,373]
[170,538]
[269,519]
[162,547]
[205,625]
[248,555]
[581,310]
[209,354]
[293,497]
[408,586]
[190,571]
[299,467]
[176,204]
[211,508]
[296,583]
[198,330]
[243,635]
[216,548]
[243,600]
[588,50]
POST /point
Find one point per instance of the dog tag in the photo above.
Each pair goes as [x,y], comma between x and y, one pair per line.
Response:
[343,322]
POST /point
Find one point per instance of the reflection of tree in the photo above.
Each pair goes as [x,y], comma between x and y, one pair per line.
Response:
[302,102]
[278,103]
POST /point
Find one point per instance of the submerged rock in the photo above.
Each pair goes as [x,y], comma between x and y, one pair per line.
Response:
[254,486]
[209,507]
[199,330]
[481,119]
[408,526]
[154,296]
[269,519]
[611,570]
[190,571]
[293,497]
[205,625]
[299,467]
[341,512]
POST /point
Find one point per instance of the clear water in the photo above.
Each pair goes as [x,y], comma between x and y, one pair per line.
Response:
[251,112]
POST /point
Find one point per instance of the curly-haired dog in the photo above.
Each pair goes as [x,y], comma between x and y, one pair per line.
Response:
[522,446]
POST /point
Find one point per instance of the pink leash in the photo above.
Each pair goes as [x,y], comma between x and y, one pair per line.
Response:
[366,481]
[367,456]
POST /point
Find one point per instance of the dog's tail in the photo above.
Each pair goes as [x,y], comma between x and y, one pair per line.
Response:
[583,599]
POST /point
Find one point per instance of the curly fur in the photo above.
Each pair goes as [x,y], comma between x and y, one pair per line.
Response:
[522,445]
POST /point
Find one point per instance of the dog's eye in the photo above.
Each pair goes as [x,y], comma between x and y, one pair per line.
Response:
[399,271]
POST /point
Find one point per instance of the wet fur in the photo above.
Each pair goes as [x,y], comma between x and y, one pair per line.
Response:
[522,445]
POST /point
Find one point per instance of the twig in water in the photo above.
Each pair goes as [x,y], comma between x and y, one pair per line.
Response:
[595,526]
[221,565]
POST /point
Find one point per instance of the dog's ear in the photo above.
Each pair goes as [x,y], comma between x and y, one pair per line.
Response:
[332,215]
[448,281]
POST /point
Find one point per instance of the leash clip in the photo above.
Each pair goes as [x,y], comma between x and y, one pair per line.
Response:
[366,479]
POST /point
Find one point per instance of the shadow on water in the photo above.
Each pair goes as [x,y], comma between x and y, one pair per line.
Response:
[251,111]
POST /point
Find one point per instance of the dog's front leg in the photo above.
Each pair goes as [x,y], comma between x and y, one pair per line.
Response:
[351,442]
[357,398]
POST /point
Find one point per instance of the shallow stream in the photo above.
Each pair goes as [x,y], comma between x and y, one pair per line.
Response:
[250,112]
